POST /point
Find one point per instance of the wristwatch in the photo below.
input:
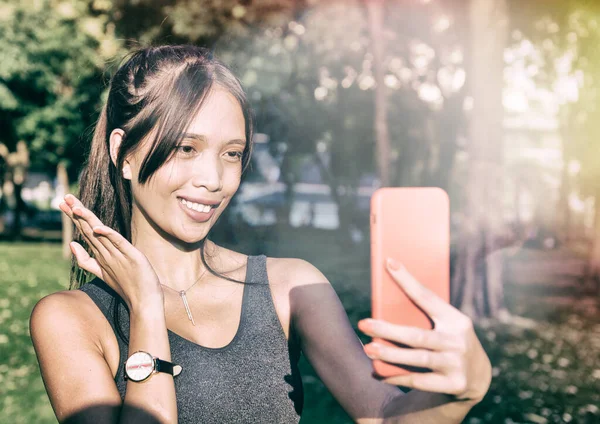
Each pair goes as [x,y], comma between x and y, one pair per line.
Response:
[141,365]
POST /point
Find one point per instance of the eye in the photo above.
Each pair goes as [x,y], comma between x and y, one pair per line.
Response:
[234,155]
[185,150]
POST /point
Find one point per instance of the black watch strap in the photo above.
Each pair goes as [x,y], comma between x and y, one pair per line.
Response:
[167,367]
[164,366]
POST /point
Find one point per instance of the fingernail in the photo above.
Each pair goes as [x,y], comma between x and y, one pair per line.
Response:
[372,350]
[393,264]
[72,247]
[365,324]
[369,325]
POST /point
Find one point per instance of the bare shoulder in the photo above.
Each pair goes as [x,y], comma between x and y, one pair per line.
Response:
[64,309]
[59,308]
[69,316]
[298,286]
[294,272]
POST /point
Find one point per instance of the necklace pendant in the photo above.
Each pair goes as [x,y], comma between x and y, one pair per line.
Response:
[187,307]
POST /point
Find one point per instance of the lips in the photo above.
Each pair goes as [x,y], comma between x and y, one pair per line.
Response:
[212,203]
[197,215]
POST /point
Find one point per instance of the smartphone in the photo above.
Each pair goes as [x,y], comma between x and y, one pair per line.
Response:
[412,226]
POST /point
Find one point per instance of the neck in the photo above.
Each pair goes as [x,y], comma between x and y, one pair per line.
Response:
[178,266]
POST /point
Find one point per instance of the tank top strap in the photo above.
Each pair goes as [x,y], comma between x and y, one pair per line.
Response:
[106,298]
[259,307]
[257,270]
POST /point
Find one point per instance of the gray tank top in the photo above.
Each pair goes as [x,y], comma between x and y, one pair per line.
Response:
[254,379]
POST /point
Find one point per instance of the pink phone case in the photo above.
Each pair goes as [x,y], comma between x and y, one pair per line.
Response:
[412,226]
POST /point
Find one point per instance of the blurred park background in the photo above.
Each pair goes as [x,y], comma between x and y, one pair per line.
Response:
[496,101]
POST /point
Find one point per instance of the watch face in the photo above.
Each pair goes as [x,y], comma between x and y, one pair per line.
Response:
[139,366]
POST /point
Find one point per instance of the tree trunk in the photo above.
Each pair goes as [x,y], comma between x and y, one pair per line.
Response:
[563,208]
[67,225]
[3,203]
[483,220]
[16,231]
[593,263]
[382,138]
[18,163]
[289,179]
[447,130]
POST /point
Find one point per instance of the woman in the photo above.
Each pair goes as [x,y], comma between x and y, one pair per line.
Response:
[167,156]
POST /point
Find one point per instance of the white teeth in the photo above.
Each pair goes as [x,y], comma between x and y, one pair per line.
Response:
[196,206]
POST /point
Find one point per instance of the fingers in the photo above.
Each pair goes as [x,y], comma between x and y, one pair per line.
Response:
[436,307]
[85,261]
[85,220]
[436,361]
[411,336]
[81,211]
[77,222]
[116,240]
[429,382]
[84,216]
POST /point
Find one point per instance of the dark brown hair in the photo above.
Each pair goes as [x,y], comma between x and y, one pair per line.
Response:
[158,89]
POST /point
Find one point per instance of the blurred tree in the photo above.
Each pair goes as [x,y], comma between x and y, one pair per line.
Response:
[425,67]
[3,164]
[67,227]
[543,48]
[201,22]
[328,99]
[53,55]
[15,174]
[382,138]
[309,69]
[566,35]
[302,78]
[478,270]
[583,114]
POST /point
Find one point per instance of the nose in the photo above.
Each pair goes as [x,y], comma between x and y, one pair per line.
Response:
[208,171]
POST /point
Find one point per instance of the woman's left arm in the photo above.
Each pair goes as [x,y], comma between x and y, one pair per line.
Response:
[461,371]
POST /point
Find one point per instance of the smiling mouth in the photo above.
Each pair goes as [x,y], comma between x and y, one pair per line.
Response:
[198,207]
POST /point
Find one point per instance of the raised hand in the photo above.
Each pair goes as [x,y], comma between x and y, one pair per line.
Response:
[115,261]
[459,365]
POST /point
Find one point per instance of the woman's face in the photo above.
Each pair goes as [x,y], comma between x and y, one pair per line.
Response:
[189,192]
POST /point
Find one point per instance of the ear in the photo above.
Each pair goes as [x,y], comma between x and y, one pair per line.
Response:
[116,137]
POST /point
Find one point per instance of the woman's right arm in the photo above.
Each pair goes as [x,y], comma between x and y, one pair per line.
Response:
[77,376]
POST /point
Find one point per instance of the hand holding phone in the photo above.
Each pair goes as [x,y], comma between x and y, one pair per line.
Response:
[411,226]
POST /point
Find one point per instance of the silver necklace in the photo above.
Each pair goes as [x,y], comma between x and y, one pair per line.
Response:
[182,293]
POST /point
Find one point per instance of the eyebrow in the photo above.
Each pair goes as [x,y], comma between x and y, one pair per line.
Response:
[201,137]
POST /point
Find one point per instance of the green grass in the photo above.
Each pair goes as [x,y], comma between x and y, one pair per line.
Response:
[27,273]
[547,374]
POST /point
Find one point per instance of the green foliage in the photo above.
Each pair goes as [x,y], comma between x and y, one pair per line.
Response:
[202,20]
[585,113]
[294,75]
[566,35]
[53,55]
[306,65]
[309,72]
